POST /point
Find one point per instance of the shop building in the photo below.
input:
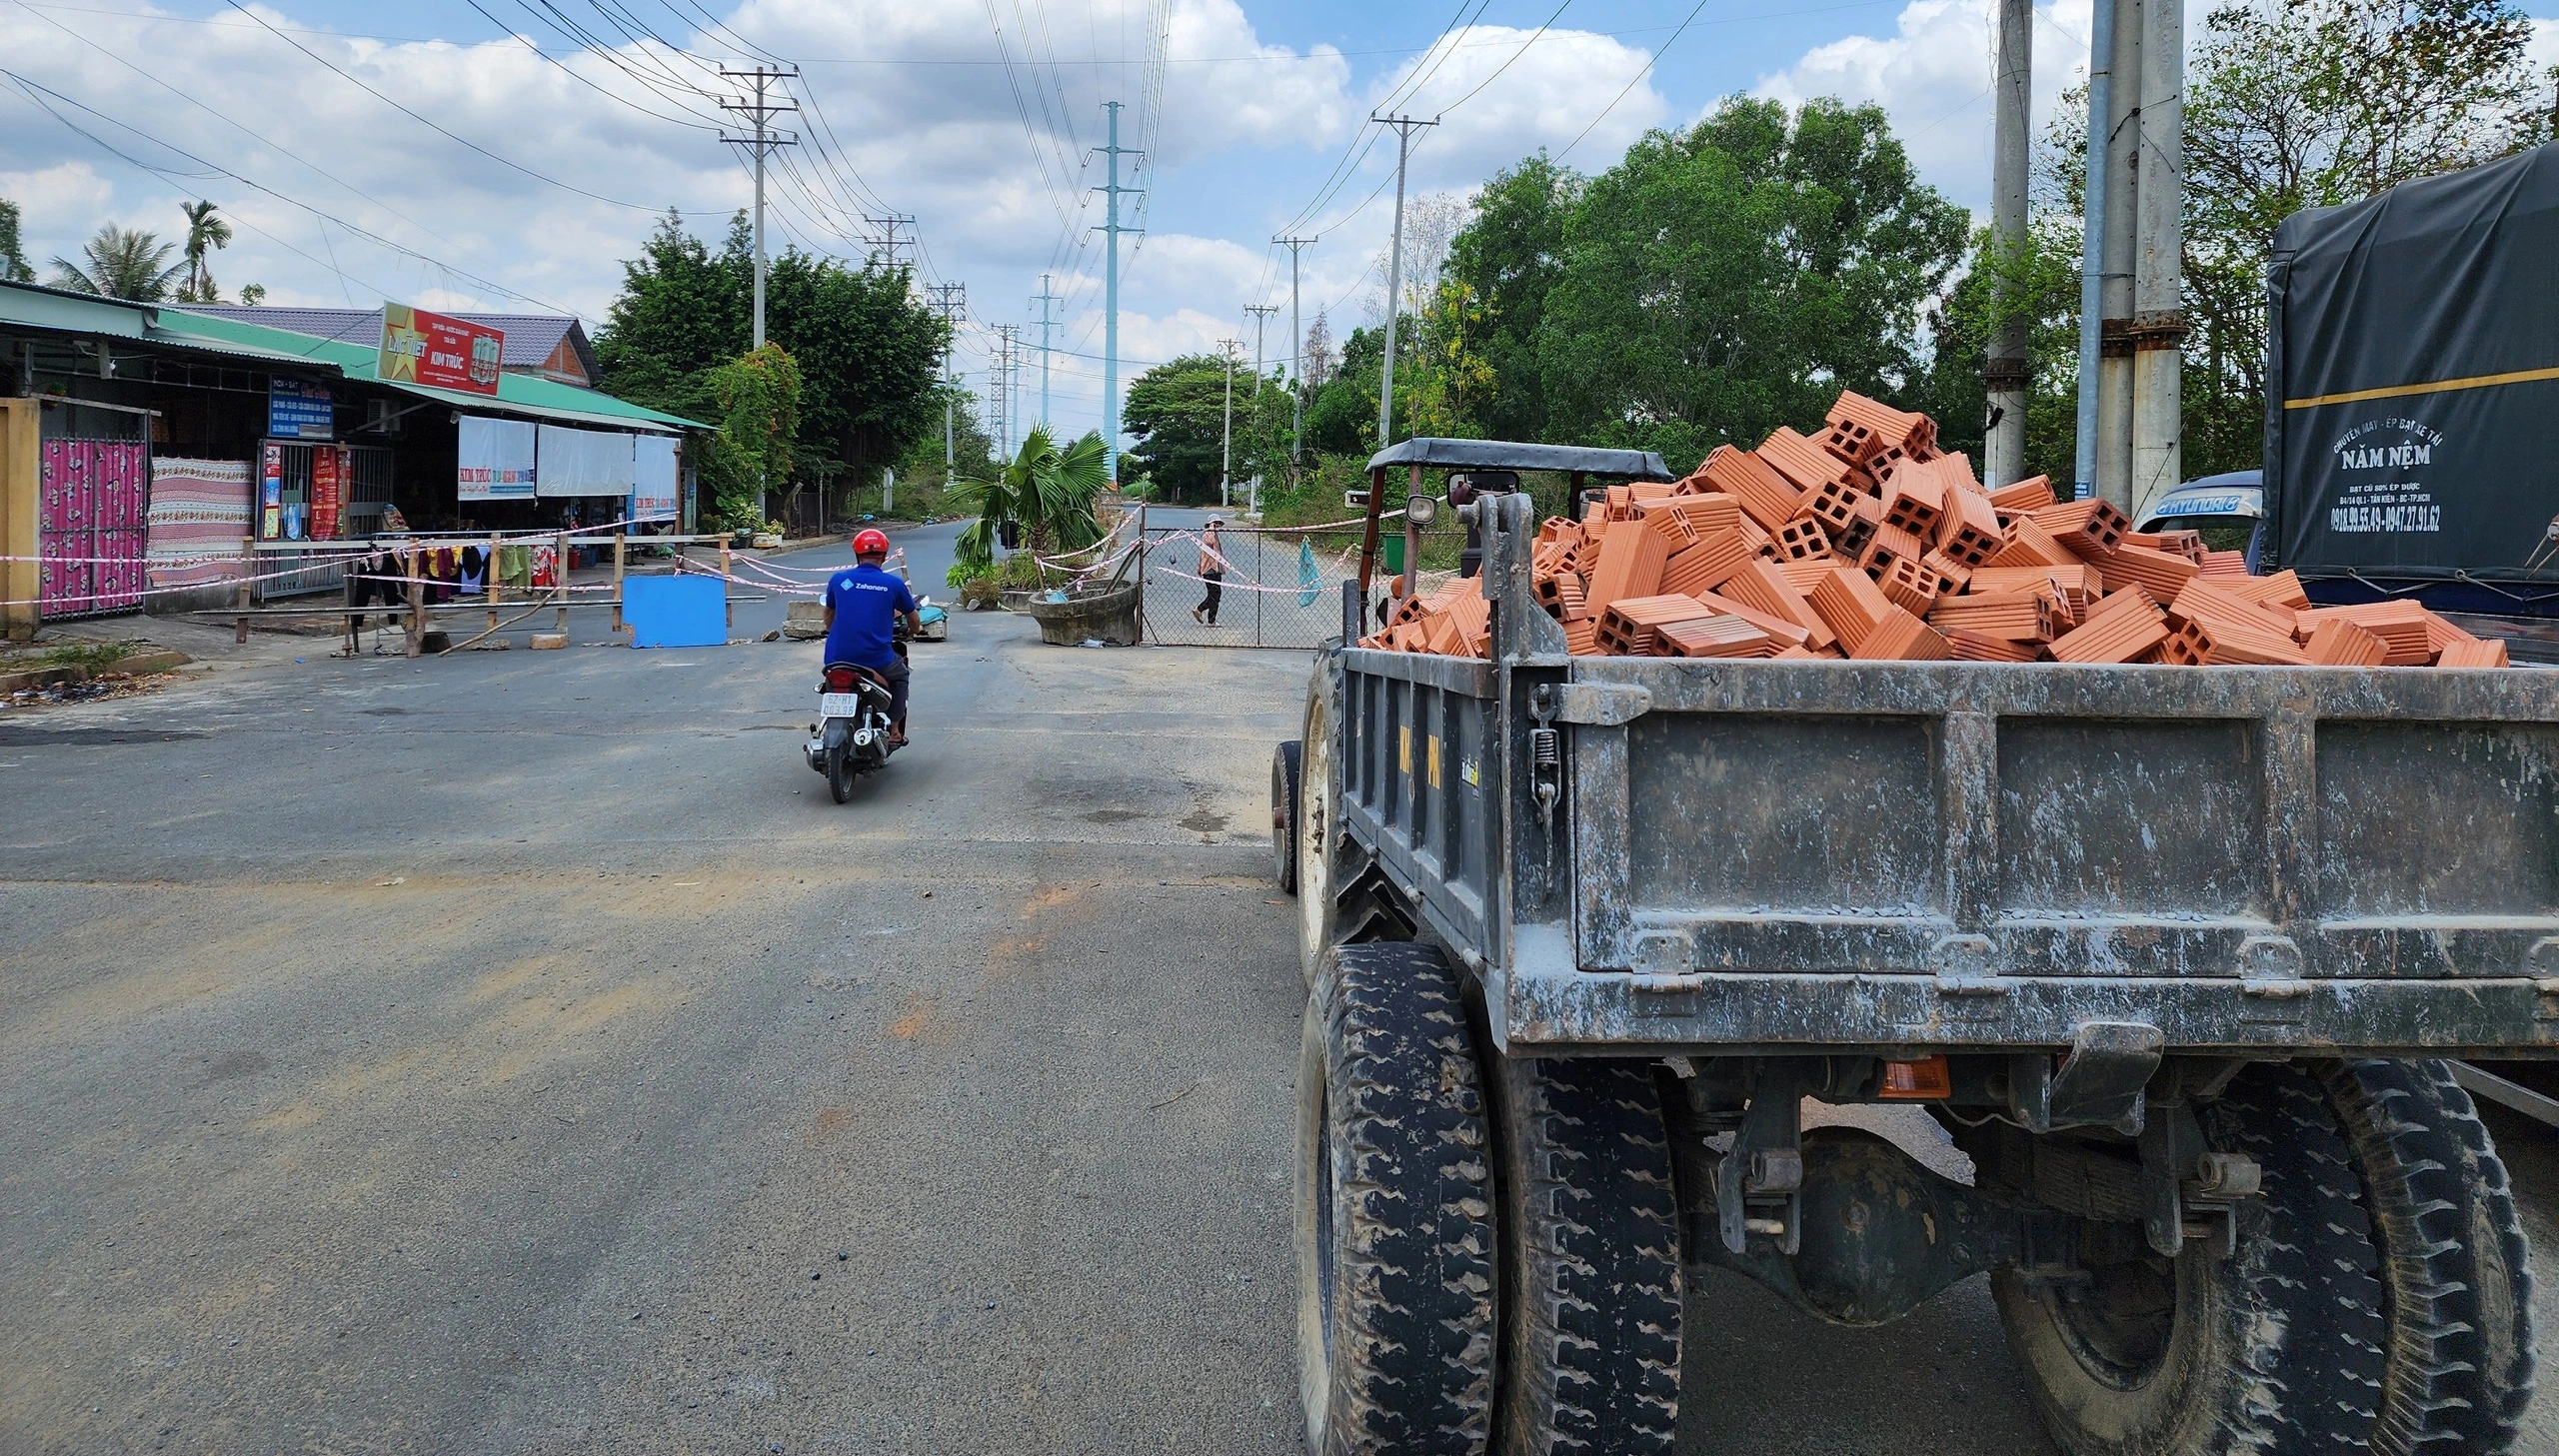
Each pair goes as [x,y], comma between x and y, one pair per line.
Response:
[152,456]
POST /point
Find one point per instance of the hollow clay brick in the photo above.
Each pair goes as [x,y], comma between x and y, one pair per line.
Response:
[1769,498]
[1974,647]
[2400,624]
[1630,565]
[1913,432]
[1904,637]
[2122,628]
[1764,587]
[1911,586]
[1806,465]
[2033,494]
[1865,520]
[1970,532]
[2161,574]
[2476,653]
[1915,506]
[2225,563]
[1787,633]
[2030,544]
[1718,637]
[2089,528]
[1707,565]
[2341,643]
[1851,603]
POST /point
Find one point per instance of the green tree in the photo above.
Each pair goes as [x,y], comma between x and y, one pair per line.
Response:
[14,267]
[1049,491]
[1724,280]
[205,234]
[1508,258]
[869,352]
[121,263]
[1341,418]
[759,394]
[1176,413]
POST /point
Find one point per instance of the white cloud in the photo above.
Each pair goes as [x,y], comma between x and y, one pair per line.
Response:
[1532,95]
[65,187]
[1933,76]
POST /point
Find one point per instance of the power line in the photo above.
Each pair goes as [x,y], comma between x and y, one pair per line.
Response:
[1649,63]
[350,79]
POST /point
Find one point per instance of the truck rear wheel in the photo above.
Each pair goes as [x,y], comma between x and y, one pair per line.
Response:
[1394,1232]
[2457,1288]
[1590,1282]
[1319,832]
[2277,1348]
[1283,813]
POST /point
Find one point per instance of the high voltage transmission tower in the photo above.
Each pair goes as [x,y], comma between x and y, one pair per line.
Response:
[1111,298]
[760,110]
[1296,350]
[950,301]
[1044,298]
[885,243]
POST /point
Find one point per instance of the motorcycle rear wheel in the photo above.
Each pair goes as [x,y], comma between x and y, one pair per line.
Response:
[840,772]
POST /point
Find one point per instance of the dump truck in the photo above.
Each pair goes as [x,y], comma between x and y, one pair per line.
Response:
[2175,956]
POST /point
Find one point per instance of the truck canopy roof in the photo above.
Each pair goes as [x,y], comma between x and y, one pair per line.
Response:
[1638,465]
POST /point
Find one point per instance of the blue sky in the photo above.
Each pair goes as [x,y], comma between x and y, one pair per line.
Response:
[972,116]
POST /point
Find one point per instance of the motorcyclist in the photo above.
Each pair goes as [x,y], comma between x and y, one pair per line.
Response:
[865,604]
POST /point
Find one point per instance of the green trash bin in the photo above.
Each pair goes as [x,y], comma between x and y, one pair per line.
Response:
[1394,553]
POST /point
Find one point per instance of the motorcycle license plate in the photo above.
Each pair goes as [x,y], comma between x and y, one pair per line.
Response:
[838,704]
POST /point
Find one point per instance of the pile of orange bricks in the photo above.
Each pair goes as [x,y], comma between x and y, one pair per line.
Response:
[1865,542]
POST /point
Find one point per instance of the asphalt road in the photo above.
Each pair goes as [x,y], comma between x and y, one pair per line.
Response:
[517,1052]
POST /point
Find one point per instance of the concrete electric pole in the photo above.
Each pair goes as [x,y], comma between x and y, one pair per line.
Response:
[1045,299]
[1296,350]
[2092,247]
[1110,300]
[2004,377]
[2159,300]
[885,244]
[1405,127]
[1226,438]
[760,110]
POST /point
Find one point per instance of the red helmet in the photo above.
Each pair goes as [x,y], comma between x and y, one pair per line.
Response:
[867,542]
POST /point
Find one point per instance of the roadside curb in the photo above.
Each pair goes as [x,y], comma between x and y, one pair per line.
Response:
[140,664]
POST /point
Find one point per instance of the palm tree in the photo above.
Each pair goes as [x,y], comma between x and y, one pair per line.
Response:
[1049,490]
[205,233]
[125,264]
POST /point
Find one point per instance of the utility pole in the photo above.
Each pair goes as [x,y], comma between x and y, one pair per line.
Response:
[1006,335]
[1110,300]
[1296,351]
[951,300]
[1226,438]
[2004,375]
[884,248]
[2123,209]
[1403,126]
[1044,298]
[2158,307]
[2092,245]
[760,112]
[1260,315]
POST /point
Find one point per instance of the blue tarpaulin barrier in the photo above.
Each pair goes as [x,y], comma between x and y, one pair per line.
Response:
[675,611]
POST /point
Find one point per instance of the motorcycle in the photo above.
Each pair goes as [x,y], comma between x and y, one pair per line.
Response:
[850,736]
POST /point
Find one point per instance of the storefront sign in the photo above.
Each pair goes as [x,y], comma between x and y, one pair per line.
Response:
[585,462]
[438,350]
[653,477]
[299,411]
[271,493]
[496,459]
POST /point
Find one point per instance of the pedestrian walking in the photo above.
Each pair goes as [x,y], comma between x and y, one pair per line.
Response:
[1213,570]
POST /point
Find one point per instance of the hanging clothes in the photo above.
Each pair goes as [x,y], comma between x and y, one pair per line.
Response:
[514,567]
[473,564]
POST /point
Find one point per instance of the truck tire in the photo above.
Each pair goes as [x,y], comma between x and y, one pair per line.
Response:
[1590,1279]
[2458,1290]
[2275,1349]
[1320,861]
[1395,1233]
[1283,813]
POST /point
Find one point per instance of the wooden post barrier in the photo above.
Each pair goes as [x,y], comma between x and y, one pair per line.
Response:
[559,580]
[621,541]
[248,568]
[490,582]
[412,565]
[732,607]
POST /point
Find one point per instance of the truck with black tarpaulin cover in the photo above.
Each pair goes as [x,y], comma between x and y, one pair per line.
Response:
[2413,393]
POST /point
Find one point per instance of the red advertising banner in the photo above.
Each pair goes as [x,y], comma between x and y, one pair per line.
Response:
[328,490]
[435,349]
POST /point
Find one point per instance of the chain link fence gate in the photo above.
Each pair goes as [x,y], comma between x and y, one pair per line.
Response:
[1282,585]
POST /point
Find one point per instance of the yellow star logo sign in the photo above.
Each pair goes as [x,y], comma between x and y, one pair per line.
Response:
[403,345]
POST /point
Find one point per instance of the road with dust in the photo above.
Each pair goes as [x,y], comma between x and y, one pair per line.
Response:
[520,1054]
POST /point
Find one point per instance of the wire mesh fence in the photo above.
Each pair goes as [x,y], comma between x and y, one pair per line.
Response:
[1278,588]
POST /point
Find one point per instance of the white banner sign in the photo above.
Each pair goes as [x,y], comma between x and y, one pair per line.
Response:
[497,459]
[585,462]
[652,469]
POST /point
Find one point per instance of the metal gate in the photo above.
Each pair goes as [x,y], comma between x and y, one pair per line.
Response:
[1283,586]
[92,526]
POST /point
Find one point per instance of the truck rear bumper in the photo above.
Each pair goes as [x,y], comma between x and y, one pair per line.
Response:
[1611,1013]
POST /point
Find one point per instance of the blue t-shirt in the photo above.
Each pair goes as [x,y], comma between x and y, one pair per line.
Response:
[867,600]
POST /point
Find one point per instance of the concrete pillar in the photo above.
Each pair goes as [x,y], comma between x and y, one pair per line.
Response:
[2114,368]
[21,426]
[2158,316]
[2004,378]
